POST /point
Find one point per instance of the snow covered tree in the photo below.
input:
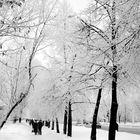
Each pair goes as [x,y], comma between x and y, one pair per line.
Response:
[113,27]
[31,34]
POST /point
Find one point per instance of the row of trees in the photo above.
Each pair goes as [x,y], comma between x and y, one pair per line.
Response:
[100,54]
[94,52]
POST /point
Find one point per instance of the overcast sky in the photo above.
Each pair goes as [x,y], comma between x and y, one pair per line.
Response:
[78,5]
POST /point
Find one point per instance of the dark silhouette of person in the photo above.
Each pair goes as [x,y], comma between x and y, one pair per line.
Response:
[46,123]
[35,127]
[40,125]
[30,122]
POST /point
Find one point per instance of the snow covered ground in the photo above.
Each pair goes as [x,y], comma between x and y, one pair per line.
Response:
[124,124]
[23,132]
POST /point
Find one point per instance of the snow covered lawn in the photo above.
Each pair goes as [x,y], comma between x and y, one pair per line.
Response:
[82,133]
[23,132]
[125,125]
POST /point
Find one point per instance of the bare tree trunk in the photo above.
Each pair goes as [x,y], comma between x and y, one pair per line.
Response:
[94,122]
[65,121]
[52,124]
[69,120]
[57,126]
[119,117]
[20,120]
[49,123]
[125,115]
[114,105]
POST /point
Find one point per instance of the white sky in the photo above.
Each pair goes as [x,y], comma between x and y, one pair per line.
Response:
[78,5]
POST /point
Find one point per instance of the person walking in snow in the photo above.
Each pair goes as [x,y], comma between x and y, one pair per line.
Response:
[35,127]
[31,122]
[40,124]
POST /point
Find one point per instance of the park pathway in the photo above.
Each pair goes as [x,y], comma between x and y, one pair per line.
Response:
[23,132]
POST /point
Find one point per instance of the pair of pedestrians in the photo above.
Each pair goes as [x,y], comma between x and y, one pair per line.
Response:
[37,127]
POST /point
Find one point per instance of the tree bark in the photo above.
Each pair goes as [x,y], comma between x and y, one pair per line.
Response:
[49,124]
[57,126]
[20,120]
[52,124]
[69,120]
[114,104]
[65,121]
[94,122]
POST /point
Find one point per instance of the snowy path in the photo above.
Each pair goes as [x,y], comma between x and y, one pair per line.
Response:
[23,132]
